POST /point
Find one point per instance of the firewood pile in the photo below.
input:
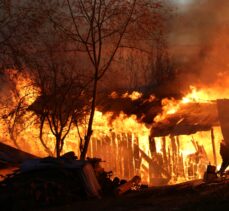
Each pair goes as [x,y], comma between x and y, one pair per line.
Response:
[44,187]
[116,186]
[51,182]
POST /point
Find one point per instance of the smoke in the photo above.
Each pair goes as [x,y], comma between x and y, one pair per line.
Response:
[199,41]
[199,45]
[199,48]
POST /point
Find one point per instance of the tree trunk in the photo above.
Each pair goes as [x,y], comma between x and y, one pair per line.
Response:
[90,123]
[58,146]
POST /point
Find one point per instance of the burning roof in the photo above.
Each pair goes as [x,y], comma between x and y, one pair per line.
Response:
[144,107]
[188,119]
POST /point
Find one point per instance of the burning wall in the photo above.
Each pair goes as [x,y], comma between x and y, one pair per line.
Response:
[122,136]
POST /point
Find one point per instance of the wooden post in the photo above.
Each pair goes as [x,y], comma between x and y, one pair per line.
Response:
[174,154]
[107,153]
[130,154]
[137,158]
[180,159]
[152,146]
[115,153]
[213,146]
[119,154]
[164,153]
[153,152]
[125,156]
[178,145]
[170,163]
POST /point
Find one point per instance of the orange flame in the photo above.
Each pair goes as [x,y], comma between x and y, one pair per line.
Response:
[115,140]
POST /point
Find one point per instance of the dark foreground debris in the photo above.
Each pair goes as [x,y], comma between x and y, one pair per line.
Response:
[189,196]
[70,184]
[50,182]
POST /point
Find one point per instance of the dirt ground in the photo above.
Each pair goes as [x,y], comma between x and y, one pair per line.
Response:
[195,195]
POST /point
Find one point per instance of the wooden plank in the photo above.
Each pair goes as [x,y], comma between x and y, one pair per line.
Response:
[125,156]
[137,159]
[164,152]
[120,157]
[130,155]
[115,151]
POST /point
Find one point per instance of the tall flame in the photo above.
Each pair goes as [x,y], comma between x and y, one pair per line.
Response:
[123,142]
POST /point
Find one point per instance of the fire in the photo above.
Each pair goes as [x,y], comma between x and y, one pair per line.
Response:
[190,145]
[120,135]
[124,132]
[123,142]
[194,96]
[205,95]
[26,89]
[133,96]
[171,106]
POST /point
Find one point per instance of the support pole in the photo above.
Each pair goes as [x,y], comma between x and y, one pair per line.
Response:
[213,146]
[164,153]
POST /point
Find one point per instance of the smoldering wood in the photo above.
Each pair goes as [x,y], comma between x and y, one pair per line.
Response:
[128,185]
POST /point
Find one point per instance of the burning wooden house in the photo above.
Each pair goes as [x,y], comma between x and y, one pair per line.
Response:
[189,119]
[166,141]
[179,145]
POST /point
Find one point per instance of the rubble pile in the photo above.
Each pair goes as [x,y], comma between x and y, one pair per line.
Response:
[52,181]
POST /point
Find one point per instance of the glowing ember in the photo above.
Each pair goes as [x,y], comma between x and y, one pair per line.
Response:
[133,96]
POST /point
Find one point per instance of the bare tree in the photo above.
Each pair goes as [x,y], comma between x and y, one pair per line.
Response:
[100,28]
[13,28]
[27,46]
[54,70]
[59,104]
[68,59]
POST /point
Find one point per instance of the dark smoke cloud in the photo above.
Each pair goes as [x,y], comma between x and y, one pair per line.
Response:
[199,41]
[199,45]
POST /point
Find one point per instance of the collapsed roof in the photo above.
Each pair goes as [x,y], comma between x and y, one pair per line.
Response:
[189,119]
[194,117]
